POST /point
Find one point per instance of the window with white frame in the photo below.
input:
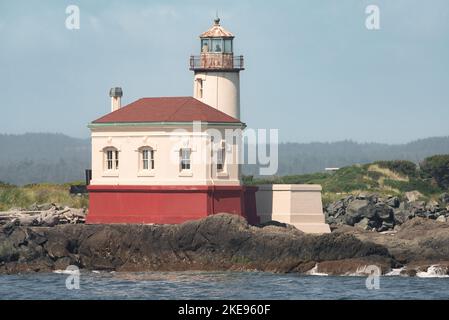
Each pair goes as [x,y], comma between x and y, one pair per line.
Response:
[146,159]
[111,156]
[184,158]
[221,157]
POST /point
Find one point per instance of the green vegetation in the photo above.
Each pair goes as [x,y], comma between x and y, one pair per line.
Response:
[23,197]
[382,177]
[437,168]
[344,180]
[403,167]
[294,179]
[422,186]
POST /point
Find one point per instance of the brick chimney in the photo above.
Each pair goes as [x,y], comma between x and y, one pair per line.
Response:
[116,98]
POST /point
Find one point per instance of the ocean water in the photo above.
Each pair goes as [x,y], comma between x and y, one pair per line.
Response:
[217,285]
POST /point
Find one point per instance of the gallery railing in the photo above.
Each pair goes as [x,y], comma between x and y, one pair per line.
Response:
[216,61]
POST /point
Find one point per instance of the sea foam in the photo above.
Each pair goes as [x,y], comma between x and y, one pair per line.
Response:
[434,271]
[314,272]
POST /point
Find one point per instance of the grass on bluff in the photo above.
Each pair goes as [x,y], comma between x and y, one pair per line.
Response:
[12,196]
[344,180]
[383,177]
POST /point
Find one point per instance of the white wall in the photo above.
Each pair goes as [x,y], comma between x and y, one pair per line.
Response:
[295,204]
[166,143]
[221,90]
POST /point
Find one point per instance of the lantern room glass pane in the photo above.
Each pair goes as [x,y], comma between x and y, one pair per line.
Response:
[205,45]
[217,45]
[228,46]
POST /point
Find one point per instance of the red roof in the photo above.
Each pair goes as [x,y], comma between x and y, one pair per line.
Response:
[170,109]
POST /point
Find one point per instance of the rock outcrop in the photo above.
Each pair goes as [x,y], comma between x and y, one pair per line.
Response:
[371,212]
[417,244]
[227,242]
[219,242]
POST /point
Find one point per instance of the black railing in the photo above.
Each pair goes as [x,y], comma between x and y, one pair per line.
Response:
[211,61]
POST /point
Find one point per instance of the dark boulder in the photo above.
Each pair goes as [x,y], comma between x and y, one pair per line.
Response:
[384,212]
[357,210]
[336,209]
[393,202]
[401,216]
[364,224]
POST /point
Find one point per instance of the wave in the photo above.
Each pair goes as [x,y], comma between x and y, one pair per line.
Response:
[363,271]
[434,271]
[66,271]
[314,272]
[395,272]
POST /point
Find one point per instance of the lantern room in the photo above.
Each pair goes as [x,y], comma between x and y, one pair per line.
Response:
[216,51]
[216,39]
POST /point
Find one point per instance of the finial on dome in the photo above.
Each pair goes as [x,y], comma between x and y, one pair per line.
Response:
[217,19]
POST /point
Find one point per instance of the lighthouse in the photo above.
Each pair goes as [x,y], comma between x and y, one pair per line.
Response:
[217,71]
[159,159]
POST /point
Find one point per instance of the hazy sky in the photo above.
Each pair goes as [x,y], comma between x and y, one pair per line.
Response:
[313,70]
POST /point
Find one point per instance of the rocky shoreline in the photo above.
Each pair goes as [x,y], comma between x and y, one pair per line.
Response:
[222,242]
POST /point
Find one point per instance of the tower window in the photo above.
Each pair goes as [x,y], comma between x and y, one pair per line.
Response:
[184,155]
[200,88]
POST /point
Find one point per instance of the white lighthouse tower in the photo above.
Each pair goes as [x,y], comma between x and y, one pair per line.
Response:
[217,71]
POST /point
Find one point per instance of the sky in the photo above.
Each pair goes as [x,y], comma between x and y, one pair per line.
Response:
[313,69]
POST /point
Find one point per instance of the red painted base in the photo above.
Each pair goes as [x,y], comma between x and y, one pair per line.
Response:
[168,204]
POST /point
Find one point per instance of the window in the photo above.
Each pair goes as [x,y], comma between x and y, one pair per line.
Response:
[205,45]
[200,88]
[147,155]
[228,46]
[221,156]
[184,155]
[217,45]
[112,159]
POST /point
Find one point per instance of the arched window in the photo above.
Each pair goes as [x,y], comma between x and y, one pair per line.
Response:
[184,159]
[111,159]
[146,158]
